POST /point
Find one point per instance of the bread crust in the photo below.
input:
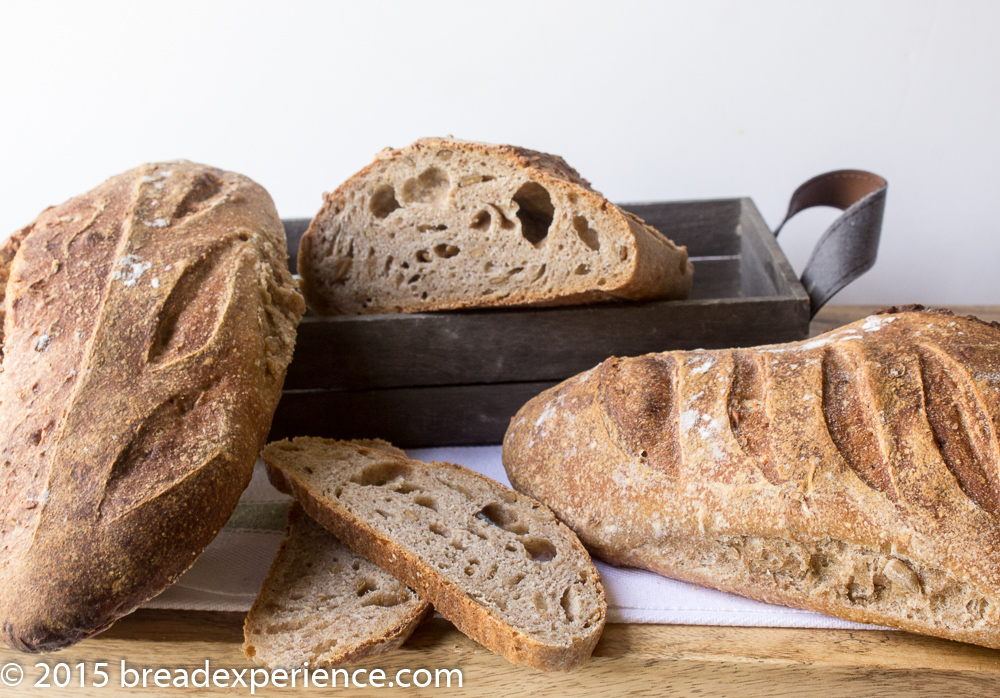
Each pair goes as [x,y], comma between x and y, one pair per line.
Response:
[657,268]
[449,599]
[854,474]
[148,326]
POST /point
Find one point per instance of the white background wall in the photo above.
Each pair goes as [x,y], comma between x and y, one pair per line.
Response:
[650,101]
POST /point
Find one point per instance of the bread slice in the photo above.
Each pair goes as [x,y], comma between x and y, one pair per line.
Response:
[453,224]
[494,562]
[323,604]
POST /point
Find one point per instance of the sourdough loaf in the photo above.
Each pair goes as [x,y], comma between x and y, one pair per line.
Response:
[446,224]
[323,605]
[495,563]
[148,326]
[855,474]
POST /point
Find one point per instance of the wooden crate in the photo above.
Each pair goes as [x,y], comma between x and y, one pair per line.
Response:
[456,378]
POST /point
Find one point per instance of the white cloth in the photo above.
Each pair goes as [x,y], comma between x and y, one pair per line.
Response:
[229,573]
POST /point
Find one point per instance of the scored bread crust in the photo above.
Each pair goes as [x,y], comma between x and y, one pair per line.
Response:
[445,224]
[324,605]
[325,476]
[147,328]
[854,474]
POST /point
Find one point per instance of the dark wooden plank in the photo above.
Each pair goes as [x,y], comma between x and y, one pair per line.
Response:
[407,417]
[504,346]
[766,270]
[717,277]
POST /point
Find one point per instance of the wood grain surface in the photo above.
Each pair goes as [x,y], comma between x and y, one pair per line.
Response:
[640,660]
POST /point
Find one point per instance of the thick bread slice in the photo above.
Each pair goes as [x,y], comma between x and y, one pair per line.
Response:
[854,474]
[147,327]
[495,563]
[452,224]
[323,604]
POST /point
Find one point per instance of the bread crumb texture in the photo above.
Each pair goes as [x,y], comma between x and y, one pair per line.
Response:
[496,563]
[451,224]
[853,474]
[322,604]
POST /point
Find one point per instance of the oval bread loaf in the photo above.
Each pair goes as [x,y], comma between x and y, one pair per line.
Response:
[855,474]
[148,326]
[446,224]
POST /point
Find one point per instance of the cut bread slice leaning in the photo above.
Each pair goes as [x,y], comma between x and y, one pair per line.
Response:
[445,224]
[495,563]
[323,605]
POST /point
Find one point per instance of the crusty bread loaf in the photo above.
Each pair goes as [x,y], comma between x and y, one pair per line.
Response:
[148,325]
[495,563]
[452,224]
[855,474]
[322,604]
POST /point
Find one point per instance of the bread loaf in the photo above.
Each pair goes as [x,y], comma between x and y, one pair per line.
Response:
[148,326]
[322,604]
[496,564]
[855,474]
[452,224]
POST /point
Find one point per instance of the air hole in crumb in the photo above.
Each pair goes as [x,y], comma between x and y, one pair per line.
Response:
[423,256]
[535,211]
[365,586]
[445,251]
[481,221]
[540,603]
[383,201]
[406,488]
[500,516]
[439,530]
[356,565]
[380,474]
[424,227]
[413,279]
[404,265]
[429,187]
[588,235]
[510,548]
[488,266]
[470,570]
[623,253]
[540,273]
[582,269]
[423,296]
[383,514]
[570,603]
[426,500]
[540,549]
[457,545]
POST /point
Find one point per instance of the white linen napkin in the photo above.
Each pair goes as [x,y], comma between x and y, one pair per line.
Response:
[229,573]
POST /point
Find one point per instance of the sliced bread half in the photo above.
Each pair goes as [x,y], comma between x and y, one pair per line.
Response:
[446,224]
[496,563]
[324,605]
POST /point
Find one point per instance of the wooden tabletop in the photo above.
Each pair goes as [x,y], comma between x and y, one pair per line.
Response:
[629,660]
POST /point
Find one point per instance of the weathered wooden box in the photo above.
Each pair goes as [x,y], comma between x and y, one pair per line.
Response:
[454,378]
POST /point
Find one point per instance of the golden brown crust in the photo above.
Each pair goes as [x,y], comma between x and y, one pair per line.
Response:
[449,599]
[853,474]
[658,269]
[148,326]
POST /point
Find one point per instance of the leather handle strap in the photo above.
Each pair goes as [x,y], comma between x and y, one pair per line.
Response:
[849,246]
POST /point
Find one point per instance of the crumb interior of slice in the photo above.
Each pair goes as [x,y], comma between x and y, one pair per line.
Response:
[505,550]
[446,225]
[325,600]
